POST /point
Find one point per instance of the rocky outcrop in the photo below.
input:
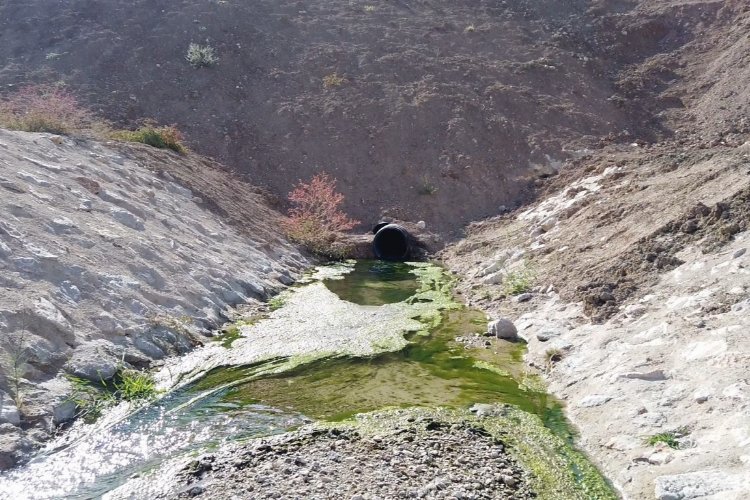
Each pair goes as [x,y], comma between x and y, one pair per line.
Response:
[116,255]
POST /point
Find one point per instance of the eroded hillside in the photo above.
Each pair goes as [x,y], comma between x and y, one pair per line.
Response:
[424,110]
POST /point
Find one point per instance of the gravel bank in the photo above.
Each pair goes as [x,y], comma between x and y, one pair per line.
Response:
[421,458]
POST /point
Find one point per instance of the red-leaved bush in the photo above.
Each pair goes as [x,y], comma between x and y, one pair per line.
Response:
[316,216]
[44,108]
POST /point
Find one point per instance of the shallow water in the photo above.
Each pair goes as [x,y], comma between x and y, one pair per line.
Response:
[239,400]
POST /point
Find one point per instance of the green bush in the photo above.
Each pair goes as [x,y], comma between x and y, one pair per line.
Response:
[163,137]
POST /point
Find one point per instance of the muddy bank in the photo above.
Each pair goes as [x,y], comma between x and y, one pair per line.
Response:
[113,257]
[629,282]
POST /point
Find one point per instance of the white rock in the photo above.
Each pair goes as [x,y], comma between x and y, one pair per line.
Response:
[126,218]
[593,400]
[5,250]
[704,349]
[8,410]
[421,225]
[548,224]
[695,484]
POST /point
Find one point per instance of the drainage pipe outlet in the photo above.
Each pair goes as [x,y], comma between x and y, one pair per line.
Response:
[392,242]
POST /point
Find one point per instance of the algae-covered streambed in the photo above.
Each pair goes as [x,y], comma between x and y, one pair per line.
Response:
[349,339]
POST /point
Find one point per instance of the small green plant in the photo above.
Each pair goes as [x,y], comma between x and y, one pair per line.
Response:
[163,137]
[470,29]
[333,80]
[276,302]
[427,188]
[518,281]
[201,56]
[91,399]
[670,439]
[134,386]
[369,8]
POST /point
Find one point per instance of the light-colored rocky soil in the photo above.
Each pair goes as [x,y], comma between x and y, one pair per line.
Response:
[116,255]
[638,262]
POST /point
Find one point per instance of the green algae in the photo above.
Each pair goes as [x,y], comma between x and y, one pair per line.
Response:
[421,365]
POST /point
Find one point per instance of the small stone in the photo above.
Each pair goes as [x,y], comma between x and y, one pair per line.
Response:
[509,480]
[593,400]
[503,329]
[524,297]
[739,253]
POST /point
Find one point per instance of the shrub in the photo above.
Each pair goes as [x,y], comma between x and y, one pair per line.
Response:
[333,80]
[200,56]
[44,108]
[316,217]
[163,137]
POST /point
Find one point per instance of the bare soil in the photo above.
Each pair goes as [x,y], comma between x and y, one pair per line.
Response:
[444,111]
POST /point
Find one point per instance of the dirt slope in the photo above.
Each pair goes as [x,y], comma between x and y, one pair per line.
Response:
[445,111]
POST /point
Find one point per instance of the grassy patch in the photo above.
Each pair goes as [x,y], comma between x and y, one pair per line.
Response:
[91,399]
[162,137]
[670,439]
[277,302]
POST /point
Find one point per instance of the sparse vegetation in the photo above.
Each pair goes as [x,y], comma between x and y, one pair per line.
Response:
[333,80]
[316,217]
[427,188]
[518,281]
[470,28]
[276,302]
[369,8]
[671,439]
[15,364]
[91,399]
[201,56]
[44,108]
[552,356]
[163,137]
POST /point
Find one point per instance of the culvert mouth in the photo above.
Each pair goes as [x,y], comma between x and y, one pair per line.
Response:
[391,243]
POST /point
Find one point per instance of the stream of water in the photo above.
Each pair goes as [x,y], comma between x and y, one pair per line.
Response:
[234,401]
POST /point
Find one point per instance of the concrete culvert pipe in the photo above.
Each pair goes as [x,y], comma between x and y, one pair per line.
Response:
[392,243]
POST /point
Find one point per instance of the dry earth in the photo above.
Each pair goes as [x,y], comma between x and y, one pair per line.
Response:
[116,255]
[443,111]
[638,312]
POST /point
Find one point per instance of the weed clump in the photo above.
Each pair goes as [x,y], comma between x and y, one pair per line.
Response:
[44,108]
[162,137]
[518,281]
[316,218]
[201,56]
[91,399]
[333,80]
[671,439]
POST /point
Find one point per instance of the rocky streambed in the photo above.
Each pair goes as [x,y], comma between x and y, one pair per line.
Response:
[353,385]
